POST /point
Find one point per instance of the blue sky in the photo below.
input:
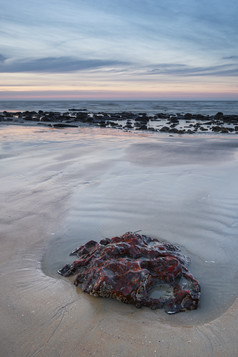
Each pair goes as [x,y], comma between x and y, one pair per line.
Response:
[118,49]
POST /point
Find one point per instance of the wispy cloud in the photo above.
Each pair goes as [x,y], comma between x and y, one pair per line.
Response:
[113,42]
[72,64]
[53,64]
[190,71]
[230,58]
[2,58]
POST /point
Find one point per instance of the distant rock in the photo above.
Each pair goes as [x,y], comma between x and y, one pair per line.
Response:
[188,116]
[165,129]
[63,125]
[218,115]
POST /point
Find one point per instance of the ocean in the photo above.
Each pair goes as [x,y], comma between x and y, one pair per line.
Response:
[149,107]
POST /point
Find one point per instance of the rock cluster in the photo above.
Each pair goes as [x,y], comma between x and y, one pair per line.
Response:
[132,268]
[161,122]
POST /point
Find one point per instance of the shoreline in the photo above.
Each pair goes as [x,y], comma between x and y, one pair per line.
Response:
[48,178]
[127,121]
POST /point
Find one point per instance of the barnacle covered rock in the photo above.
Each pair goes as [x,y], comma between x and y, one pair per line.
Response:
[136,269]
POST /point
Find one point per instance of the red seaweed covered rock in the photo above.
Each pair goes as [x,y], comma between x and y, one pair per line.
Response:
[136,269]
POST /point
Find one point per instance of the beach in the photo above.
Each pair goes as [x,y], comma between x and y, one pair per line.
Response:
[62,187]
[149,120]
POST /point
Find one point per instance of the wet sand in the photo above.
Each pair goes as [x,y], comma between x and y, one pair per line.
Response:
[61,188]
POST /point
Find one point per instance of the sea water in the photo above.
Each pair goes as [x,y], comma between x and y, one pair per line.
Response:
[149,107]
[178,189]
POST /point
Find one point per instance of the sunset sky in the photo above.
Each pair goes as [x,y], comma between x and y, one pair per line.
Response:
[119,49]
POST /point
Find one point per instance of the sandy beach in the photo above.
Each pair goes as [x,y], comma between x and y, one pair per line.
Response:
[61,188]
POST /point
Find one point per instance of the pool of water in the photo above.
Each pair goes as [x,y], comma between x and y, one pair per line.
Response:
[182,190]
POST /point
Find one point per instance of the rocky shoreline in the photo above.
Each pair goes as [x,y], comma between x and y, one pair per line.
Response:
[161,122]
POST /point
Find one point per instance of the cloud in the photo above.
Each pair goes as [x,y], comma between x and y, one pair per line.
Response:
[186,43]
[2,58]
[186,70]
[53,64]
[147,31]
[72,64]
[230,58]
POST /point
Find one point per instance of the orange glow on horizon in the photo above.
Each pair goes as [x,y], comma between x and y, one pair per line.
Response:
[95,86]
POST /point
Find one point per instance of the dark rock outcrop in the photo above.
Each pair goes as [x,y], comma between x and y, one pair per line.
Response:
[62,125]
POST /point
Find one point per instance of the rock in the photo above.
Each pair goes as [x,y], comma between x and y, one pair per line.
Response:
[77,110]
[197,125]
[230,119]
[174,120]
[142,118]
[134,121]
[165,129]
[8,119]
[82,116]
[216,128]
[224,130]
[137,124]
[62,125]
[162,115]
[174,130]
[181,131]
[128,125]
[113,124]
[45,119]
[218,115]
[132,268]
[188,116]
[89,120]
[142,127]
[28,117]
[200,117]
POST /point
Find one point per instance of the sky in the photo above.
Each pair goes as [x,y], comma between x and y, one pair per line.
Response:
[119,49]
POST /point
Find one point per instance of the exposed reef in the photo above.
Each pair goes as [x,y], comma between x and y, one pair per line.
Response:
[136,269]
[161,122]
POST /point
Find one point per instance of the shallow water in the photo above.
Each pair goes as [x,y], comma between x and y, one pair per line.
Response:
[60,188]
[179,189]
[182,190]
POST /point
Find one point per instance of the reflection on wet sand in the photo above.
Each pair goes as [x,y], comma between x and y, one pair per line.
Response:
[59,189]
